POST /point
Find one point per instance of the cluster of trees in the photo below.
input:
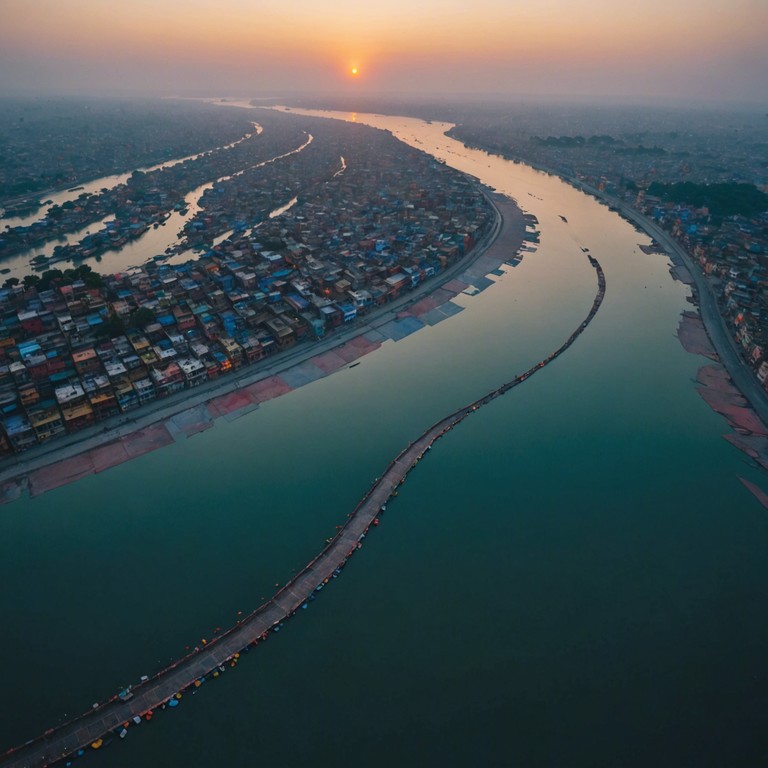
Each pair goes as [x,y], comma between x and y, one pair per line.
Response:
[57,277]
[602,140]
[116,326]
[725,199]
[576,141]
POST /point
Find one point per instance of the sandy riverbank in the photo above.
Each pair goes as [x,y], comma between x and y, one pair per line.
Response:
[726,385]
[181,416]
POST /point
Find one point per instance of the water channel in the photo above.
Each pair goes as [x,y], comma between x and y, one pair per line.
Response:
[108,182]
[157,240]
[575,577]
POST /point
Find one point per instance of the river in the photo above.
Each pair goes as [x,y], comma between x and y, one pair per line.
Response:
[154,242]
[108,182]
[574,577]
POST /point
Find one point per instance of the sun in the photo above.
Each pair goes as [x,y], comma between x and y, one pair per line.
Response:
[354,71]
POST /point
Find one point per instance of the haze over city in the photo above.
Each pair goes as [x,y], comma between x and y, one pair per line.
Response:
[657,50]
[258,260]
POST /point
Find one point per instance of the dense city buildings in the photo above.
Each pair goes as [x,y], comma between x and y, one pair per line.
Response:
[365,219]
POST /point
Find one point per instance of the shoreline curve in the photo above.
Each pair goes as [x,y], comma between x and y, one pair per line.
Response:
[110,716]
[15,470]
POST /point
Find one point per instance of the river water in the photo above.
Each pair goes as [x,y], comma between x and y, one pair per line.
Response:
[574,577]
[153,242]
[107,182]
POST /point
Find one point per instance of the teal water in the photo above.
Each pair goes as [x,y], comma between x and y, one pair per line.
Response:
[574,577]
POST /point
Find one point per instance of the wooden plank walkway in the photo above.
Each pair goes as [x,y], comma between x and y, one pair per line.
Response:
[65,740]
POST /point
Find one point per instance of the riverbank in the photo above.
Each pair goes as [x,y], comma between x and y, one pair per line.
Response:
[179,416]
[684,269]
[165,688]
[726,385]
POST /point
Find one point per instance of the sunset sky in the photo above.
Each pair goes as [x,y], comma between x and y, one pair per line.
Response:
[666,49]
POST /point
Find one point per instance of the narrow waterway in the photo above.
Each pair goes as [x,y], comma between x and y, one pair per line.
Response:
[155,242]
[575,577]
[108,182]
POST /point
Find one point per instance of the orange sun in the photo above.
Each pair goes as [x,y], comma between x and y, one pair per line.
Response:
[355,71]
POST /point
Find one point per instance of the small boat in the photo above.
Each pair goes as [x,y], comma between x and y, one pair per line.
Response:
[351,366]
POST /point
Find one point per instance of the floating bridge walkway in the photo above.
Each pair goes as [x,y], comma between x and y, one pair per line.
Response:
[64,741]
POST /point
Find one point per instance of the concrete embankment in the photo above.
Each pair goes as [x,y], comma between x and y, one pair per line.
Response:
[163,688]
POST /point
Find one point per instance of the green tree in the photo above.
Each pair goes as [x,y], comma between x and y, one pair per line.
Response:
[114,326]
[141,318]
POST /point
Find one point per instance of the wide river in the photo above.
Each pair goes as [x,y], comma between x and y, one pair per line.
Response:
[574,577]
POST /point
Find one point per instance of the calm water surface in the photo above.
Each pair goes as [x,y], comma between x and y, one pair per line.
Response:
[152,243]
[575,577]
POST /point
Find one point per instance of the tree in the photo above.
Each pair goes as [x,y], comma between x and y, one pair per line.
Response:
[114,326]
[141,318]
[48,277]
[92,279]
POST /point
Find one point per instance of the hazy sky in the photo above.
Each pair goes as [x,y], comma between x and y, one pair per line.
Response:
[691,49]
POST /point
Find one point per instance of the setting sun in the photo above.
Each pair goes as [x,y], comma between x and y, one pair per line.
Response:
[355,71]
